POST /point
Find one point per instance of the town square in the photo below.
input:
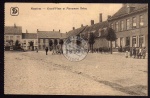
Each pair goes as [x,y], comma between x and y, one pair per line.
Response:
[108,56]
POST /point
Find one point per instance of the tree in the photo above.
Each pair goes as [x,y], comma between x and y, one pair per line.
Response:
[61,43]
[78,42]
[55,42]
[31,45]
[91,41]
[111,36]
[17,43]
[11,42]
[50,44]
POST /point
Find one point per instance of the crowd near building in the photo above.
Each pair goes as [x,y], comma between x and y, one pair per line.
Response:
[130,23]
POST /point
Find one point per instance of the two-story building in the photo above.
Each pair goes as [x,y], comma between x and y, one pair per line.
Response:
[45,36]
[12,34]
[98,29]
[130,23]
[27,38]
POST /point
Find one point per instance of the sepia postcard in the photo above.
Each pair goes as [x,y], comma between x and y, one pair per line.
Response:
[76,49]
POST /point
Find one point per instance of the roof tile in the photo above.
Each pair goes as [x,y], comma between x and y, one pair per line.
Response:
[13,30]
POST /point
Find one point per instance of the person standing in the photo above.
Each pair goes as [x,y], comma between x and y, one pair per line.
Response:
[140,52]
[134,52]
[137,52]
[126,54]
[36,49]
[46,49]
[144,52]
[54,49]
[131,52]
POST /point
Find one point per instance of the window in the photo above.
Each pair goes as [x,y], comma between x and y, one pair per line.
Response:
[133,22]
[128,24]
[116,44]
[36,42]
[46,40]
[141,40]
[117,27]
[134,41]
[112,26]
[122,26]
[18,38]
[41,40]
[127,41]
[11,37]
[141,20]
[7,38]
[121,41]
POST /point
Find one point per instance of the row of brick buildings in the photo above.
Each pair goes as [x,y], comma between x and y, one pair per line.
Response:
[130,23]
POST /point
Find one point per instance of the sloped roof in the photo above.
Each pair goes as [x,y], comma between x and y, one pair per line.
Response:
[95,29]
[76,31]
[63,35]
[29,35]
[123,10]
[50,34]
[17,30]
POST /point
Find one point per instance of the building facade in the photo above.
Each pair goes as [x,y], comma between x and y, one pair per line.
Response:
[27,38]
[12,34]
[99,31]
[131,26]
[45,36]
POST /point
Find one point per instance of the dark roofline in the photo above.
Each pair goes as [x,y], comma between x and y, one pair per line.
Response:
[29,33]
[13,26]
[136,11]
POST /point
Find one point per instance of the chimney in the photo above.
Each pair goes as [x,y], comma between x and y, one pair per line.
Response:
[14,25]
[92,22]
[73,28]
[100,17]
[53,29]
[37,30]
[81,25]
[59,30]
[109,16]
[129,8]
[26,31]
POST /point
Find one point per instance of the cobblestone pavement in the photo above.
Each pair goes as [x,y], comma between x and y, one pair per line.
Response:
[97,74]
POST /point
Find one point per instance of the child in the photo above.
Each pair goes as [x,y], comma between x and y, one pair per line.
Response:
[126,54]
[36,49]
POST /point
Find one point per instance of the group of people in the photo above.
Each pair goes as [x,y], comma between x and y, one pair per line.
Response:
[136,52]
[56,50]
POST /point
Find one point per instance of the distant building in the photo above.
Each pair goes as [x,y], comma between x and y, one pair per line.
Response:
[27,38]
[131,25]
[45,36]
[76,32]
[98,30]
[12,34]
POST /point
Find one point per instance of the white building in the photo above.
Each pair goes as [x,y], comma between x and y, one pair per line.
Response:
[12,34]
[27,38]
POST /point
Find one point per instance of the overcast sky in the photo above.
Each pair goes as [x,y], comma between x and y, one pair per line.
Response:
[48,18]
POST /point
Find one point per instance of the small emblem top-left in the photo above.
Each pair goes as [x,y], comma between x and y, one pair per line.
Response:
[14,11]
